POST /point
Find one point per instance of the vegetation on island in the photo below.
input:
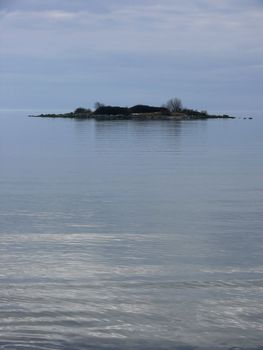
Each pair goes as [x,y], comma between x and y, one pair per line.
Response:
[172,109]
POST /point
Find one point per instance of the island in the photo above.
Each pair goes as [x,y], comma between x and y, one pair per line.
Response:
[172,110]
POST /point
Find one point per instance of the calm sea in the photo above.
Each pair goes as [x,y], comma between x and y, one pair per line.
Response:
[130,235]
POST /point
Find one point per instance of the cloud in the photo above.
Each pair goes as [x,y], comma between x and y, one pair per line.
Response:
[145,26]
[59,15]
[168,43]
[98,6]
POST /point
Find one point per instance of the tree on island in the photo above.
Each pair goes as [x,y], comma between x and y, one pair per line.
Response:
[98,105]
[174,105]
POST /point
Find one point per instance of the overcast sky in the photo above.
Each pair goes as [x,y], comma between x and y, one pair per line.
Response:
[63,54]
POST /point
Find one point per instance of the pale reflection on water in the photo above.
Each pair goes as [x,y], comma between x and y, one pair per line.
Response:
[130,235]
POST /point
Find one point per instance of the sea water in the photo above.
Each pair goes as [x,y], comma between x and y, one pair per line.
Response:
[130,234]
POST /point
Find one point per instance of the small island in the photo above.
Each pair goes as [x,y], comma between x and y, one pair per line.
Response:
[172,110]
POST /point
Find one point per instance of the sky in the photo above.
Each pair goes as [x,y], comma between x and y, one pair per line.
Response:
[62,54]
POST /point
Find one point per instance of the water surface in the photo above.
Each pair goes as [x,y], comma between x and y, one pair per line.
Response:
[130,235]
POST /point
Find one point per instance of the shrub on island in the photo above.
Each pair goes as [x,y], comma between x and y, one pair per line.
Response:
[137,109]
[148,109]
[82,113]
[112,110]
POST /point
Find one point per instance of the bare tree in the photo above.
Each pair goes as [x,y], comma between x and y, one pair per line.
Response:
[98,105]
[174,105]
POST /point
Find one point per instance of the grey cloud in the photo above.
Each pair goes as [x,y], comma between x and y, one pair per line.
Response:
[133,48]
[141,28]
[65,5]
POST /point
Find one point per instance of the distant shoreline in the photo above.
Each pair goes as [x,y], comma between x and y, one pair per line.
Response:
[132,117]
[138,112]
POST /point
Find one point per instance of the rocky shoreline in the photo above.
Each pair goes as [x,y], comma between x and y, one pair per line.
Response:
[195,115]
